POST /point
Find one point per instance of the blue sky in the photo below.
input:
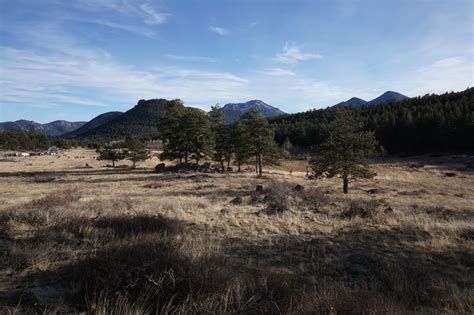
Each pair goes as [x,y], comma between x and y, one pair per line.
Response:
[76,59]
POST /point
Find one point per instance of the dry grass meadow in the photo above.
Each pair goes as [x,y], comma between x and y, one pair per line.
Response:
[118,241]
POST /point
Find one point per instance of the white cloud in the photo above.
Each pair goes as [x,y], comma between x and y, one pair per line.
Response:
[152,17]
[191,58]
[291,53]
[120,11]
[29,77]
[277,72]
[218,30]
[126,27]
[443,75]
[253,24]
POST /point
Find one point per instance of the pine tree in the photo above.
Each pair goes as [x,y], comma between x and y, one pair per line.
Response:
[108,153]
[222,133]
[186,133]
[260,138]
[136,150]
[346,150]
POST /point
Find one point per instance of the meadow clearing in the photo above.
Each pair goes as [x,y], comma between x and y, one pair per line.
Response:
[106,240]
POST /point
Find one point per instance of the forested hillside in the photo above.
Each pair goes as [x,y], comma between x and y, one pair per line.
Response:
[141,120]
[432,123]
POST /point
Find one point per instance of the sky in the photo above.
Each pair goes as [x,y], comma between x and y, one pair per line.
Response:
[74,60]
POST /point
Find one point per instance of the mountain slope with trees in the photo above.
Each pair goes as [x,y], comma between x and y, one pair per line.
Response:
[94,123]
[431,123]
[141,120]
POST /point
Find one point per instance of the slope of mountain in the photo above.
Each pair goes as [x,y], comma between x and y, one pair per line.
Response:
[354,101]
[233,111]
[94,123]
[140,120]
[52,129]
[387,96]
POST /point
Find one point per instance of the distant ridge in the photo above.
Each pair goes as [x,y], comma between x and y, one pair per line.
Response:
[233,111]
[94,123]
[53,129]
[385,97]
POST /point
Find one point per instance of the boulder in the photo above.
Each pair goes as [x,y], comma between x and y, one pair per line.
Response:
[237,201]
[160,168]
[259,188]
[298,188]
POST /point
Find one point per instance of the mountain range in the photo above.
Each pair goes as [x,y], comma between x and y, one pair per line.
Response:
[52,129]
[385,97]
[143,118]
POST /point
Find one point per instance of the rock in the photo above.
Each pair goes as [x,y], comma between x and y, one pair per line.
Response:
[298,188]
[225,210]
[390,210]
[311,177]
[355,211]
[236,201]
[259,188]
[372,191]
[450,174]
[230,169]
[160,168]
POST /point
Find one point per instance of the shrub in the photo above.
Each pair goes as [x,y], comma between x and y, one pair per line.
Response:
[279,196]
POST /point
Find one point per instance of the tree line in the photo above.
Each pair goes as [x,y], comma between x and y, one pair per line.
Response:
[21,140]
[427,124]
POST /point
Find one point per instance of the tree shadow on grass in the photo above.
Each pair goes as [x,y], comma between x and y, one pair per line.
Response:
[156,263]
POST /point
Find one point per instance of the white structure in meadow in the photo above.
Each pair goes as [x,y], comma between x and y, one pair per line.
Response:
[54,150]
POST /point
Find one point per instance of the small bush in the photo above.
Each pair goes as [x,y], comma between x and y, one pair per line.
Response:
[360,209]
[279,196]
[45,210]
[313,198]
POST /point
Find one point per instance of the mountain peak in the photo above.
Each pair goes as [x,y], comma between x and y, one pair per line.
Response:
[233,111]
[352,102]
[388,96]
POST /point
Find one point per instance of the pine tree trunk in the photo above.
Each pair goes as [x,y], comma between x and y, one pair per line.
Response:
[260,165]
[186,158]
[345,184]
[113,163]
[256,164]
[238,167]
[222,165]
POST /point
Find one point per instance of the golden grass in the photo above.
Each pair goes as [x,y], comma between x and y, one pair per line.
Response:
[133,241]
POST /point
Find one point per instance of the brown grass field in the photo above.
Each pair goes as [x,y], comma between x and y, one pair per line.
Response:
[118,241]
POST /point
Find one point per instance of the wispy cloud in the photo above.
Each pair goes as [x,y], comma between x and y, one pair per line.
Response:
[152,17]
[278,72]
[291,54]
[125,15]
[443,75]
[218,30]
[64,78]
[128,28]
[253,24]
[191,58]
